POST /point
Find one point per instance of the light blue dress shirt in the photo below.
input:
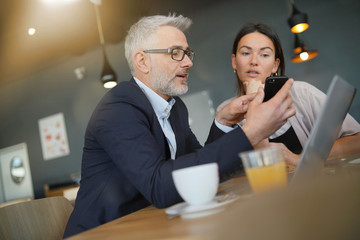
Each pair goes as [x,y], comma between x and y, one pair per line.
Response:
[162,110]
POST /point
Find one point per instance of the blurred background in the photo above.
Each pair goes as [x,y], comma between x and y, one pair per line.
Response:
[57,69]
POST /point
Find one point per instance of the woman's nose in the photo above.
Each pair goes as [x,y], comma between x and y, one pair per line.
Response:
[253,59]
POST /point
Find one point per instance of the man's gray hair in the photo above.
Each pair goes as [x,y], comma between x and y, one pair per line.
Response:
[139,34]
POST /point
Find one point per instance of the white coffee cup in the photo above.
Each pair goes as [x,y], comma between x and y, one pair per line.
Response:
[198,184]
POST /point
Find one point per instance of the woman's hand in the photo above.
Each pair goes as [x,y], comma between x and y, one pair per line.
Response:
[252,86]
[291,158]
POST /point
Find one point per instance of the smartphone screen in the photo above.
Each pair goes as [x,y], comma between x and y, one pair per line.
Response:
[273,85]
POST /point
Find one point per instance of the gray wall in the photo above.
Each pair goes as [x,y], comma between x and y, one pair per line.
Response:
[333,31]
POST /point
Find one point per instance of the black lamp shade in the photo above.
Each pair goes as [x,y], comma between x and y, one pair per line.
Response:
[301,52]
[298,21]
[108,76]
[304,56]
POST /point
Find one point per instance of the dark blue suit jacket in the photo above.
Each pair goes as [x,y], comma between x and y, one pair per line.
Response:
[126,161]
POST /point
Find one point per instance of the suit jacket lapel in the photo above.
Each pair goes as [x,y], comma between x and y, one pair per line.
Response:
[155,125]
[175,121]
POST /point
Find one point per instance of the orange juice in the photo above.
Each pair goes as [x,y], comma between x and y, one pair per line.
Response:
[267,177]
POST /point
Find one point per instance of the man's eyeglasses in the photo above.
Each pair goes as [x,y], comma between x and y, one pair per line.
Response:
[177,54]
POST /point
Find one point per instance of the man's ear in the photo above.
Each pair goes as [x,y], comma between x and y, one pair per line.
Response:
[141,62]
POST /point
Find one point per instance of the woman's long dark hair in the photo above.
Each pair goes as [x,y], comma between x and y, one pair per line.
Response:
[270,33]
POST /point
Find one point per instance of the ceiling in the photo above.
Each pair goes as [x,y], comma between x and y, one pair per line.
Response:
[67,28]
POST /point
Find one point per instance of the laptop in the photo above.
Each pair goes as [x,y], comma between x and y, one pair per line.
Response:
[326,129]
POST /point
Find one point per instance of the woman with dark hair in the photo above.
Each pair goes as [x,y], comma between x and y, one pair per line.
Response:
[258,28]
[257,54]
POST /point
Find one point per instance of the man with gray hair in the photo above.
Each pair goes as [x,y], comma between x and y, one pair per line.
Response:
[139,132]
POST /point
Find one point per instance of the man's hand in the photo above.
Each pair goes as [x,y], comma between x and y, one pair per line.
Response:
[234,112]
[265,118]
[262,144]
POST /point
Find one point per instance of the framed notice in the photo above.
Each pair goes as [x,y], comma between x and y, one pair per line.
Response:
[53,136]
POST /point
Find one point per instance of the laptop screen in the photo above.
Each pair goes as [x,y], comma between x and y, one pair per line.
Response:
[326,128]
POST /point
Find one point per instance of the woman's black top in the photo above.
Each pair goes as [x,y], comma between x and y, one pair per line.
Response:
[290,140]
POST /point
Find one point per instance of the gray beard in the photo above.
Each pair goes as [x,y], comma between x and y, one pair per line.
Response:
[165,84]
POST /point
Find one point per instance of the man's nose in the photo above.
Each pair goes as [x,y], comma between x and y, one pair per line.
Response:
[187,62]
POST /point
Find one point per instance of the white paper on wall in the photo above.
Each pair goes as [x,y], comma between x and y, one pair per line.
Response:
[53,136]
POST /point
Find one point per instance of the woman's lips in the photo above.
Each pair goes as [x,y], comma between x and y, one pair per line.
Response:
[252,74]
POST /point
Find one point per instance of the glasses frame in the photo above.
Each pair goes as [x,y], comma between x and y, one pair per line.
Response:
[190,53]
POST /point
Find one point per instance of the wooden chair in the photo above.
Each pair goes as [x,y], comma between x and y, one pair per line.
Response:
[4,204]
[44,218]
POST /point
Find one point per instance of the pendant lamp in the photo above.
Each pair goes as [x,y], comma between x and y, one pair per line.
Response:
[108,75]
[302,54]
[298,21]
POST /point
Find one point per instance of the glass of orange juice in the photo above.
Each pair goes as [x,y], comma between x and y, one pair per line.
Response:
[265,168]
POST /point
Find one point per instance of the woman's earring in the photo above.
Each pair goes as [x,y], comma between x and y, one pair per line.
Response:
[234,71]
[274,74]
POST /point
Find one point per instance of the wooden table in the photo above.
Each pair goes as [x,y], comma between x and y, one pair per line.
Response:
[324,208]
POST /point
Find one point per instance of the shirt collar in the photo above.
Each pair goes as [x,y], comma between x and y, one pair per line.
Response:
[161,107]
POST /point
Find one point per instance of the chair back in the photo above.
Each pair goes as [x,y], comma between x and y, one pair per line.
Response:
[44,218]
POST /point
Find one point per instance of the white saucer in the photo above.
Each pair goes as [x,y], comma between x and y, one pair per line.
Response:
[356,161]
[187,211]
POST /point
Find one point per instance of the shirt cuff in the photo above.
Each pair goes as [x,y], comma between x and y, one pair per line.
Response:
[224,128]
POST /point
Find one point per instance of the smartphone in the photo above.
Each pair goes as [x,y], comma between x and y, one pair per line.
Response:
[273,85]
